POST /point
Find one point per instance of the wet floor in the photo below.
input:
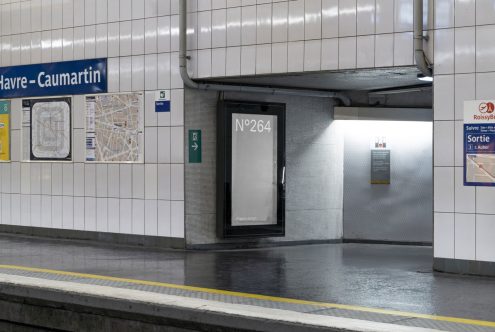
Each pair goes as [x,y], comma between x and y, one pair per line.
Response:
[381,276]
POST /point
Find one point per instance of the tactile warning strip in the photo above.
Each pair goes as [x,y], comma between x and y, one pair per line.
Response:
[326,309]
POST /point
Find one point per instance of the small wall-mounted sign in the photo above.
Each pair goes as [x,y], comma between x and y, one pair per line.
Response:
[195,149]
[162,101]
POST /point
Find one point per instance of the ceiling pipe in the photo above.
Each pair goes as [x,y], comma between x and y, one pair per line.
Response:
[188,81]
[421,61]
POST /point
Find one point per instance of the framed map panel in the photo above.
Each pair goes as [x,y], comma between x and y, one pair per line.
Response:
[47,128]
[114,127]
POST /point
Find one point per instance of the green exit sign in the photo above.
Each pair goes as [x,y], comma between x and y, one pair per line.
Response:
[195,154]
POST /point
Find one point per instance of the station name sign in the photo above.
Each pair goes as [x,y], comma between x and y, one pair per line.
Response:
[50,79]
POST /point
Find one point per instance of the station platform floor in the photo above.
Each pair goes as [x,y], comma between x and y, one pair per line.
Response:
[380,283]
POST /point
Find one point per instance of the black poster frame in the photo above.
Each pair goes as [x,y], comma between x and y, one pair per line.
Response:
[225,229]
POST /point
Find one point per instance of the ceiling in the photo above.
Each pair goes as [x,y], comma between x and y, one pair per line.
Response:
[346,80]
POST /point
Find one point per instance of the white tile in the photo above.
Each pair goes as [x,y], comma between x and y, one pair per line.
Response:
[102,215]
[177,182]
[485,49]
[347,18]
[263,59]
[56,178]
[485,12]
[465,236]
[164,145]
[330,54]
[296,20]
[234,26]
[151,35]
[6,178]
[26,211]
[347,53]
[79,213]
[177,219]
[46,211]
[164,215]
[219,28]
[150,116]
[465,50]
[46,179]
[137,9]
[35,178]
[465,198]
[465,12]
[6,213]
[138,181]
[67,210]
[177,144]
[78,44]
[57,212]
[89,12]
[312,20]
[384,16]
[125,74]
[444,13]
[248,60]
[79,179]
[113,38]
[125,10]
[444,235]
[164,182]
[113,215]
[90,213]
[204,30]
[403,49]
[137,27]
[279,58]
[485,200]
[459,143]
[366,53]
[68,179]
[138,216]
[444,189]
[218,60]
[125,38]
[101,180]
[444,51]
[443,104]
[16,178]
[233,62]
[280,22]
[485,89]
[384,50]
[137,64]
[204,63]
[113,75]
[151,149]
[114,180]
[365,16]
[330,18]
[101,11]
[151,181]
[465,85]
[164,73]
[485,232]
[15,212]
[295,62]
[151,218]
[90,180]
[443,136]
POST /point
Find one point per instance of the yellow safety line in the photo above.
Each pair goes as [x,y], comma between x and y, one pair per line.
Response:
[256,296]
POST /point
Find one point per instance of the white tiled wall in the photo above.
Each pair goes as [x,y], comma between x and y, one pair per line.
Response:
[464,70]
[239,37]
[140,39]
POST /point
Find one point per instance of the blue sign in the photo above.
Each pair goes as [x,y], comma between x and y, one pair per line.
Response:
[479,152]
[50,79]
[162,106]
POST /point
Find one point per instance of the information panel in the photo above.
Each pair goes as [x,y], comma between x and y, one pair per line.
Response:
[380,166]
[4,131]
[251,169]
[479,143]
[114,127]
[254,169]
[47,129]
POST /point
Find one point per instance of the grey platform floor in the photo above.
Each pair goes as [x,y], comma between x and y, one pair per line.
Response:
[376,276]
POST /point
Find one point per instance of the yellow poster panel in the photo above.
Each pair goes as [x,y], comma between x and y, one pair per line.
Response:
[4,131]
